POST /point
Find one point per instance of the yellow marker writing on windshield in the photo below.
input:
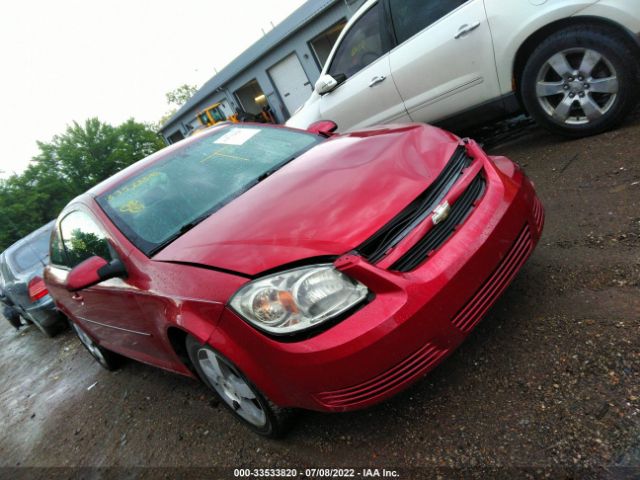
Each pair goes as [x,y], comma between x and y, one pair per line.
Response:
[132,206]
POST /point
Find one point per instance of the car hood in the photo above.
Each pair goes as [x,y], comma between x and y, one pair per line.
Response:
[325,203]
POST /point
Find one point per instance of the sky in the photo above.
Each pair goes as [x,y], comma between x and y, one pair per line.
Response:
[69,60]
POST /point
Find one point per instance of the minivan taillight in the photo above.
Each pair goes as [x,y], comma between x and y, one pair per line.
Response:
[37,289]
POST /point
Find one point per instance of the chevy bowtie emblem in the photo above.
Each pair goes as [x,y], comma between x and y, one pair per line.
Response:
[441,213]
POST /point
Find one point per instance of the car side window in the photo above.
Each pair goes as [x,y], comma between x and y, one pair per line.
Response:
[82,238]
[362,45]
[56,250]
[411,16]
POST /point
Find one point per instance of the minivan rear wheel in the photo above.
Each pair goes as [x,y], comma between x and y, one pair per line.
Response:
[581,81]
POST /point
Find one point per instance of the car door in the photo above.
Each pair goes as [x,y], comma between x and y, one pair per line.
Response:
[368,96]
[109,311]
[444,62]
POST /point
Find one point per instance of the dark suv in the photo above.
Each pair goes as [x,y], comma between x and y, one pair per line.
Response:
[22,290]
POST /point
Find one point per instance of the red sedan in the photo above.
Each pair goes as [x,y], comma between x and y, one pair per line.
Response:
[291,269]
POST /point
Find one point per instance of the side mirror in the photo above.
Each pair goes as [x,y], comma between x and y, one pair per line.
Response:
[327,83]
[323,127]
[92,271]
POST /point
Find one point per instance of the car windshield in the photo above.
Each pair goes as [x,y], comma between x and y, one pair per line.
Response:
[156,206]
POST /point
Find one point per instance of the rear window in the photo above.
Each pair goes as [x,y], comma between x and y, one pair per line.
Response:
[35,252]
[155,206]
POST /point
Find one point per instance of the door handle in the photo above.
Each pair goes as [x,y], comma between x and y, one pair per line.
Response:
[376,80]
[77,297]
[464,29]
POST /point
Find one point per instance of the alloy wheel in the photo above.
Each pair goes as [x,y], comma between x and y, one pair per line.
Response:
[577,86]
[92,346]
[232,387]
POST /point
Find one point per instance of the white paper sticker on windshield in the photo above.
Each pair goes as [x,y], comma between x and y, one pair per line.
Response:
[238,136]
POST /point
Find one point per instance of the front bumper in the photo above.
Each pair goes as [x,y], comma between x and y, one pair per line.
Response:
[416,319]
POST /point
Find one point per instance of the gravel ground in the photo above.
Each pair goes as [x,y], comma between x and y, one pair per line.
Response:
[548,384]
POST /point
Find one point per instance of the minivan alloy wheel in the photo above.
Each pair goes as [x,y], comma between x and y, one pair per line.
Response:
[577,86]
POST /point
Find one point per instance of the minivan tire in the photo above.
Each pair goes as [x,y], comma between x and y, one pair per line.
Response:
[576,81]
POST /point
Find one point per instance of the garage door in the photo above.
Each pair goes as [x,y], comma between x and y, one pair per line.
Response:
[291,81]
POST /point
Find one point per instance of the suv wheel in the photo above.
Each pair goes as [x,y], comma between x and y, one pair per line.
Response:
[581,81]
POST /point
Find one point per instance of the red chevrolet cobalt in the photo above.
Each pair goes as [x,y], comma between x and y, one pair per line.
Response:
[291,269]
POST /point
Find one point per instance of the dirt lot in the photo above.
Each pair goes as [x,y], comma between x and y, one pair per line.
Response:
[550,380]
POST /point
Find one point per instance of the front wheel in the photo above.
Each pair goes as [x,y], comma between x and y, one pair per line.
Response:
[237,393]
[581,81]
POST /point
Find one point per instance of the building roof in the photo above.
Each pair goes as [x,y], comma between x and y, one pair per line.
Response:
[299,18]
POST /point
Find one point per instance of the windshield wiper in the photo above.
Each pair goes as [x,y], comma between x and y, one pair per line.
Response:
[270,172]
[183,229]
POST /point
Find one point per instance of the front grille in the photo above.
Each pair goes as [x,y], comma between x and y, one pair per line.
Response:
[475,309]
[409,369]
[441,232]
[376,247]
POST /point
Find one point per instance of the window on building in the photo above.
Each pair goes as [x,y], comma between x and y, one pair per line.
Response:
[251,97]
[411,16]
[175,137]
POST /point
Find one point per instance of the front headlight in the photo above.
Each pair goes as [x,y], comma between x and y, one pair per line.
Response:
[297,299]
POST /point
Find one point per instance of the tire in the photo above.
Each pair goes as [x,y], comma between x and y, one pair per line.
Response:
[237,393]
[581,81]
[12,316]
[106,358]
[14,320]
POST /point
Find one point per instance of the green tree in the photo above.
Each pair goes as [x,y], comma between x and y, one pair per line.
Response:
[67,166]
[180,95]
[175,98]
